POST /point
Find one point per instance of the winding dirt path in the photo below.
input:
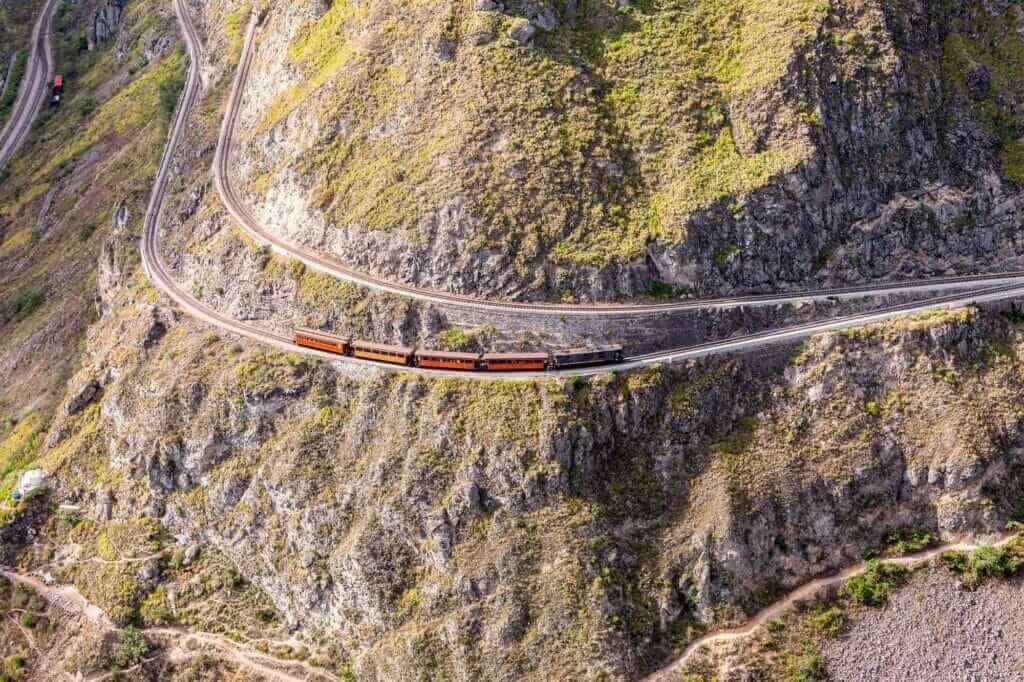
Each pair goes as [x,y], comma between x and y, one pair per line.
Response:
[807,592]
[179,644]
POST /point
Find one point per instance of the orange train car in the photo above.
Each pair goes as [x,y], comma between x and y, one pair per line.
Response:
[310,338]
[394,355]
[435,359]
[515,362]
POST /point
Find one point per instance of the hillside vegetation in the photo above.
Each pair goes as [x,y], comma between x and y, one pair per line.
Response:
[703,144]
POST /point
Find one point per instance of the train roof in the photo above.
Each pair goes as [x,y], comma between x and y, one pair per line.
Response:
[447,355]
[599,349]
[516,356]
[316,332]
[382,347]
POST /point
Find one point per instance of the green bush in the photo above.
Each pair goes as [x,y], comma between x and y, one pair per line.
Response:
[20,304]
[872,587]
[908,541]
[957,562]
[986,562]
[658,289]
[87,106]
[826,620]
[809,667]
[130,649]
[170,89]
[995,562]
[86,231]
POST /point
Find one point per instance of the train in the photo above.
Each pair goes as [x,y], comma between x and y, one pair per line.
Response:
[58,90]
[466,362]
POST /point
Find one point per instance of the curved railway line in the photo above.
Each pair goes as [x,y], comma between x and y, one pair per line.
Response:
[32,91]
[243,215]
[995,287]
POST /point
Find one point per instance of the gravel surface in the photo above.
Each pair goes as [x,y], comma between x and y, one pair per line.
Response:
[935,630]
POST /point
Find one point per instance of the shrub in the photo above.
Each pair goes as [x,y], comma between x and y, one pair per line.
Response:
[170,89]
[86,231]
[826,620]
[872,587]
[154,609]
[87,106]
[957,562]
[659,289]
[130,649]
[809,667]
[986,562]
[28,620]
[908,541]
[21,304]
[995,562]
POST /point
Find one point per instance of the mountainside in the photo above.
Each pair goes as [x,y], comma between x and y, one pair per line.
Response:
[708,146]
[219,509]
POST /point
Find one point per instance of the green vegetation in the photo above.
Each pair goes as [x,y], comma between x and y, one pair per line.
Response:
[130,648]
[19,447]
[825,620]
[21,303]
[87,106]
[86,231]
[15,668]
[908,541]
[638,107]
[170,90]
[984,41]
[808,667]
[658,289]
[738,442]
[155,609]
[455,338]
[986,562]
[872,587]
[10,93]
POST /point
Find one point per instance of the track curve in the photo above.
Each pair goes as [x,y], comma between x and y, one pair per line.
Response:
[243,215]
[161,277]
[32,91]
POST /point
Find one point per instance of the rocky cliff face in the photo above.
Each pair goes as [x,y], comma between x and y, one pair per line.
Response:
[590,149]
[542,530]
[393,527]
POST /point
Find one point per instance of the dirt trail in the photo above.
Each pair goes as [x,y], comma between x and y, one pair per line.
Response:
[180,644]
[804,593]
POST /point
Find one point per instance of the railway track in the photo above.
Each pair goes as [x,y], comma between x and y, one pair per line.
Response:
[32,91]
[243,215]
[995,287]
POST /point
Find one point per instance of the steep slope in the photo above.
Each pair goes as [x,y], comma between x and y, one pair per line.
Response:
[386,526]
[530,531]
[705,145]
[86,167]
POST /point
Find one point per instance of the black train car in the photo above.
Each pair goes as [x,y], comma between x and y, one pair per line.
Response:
[588,357]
